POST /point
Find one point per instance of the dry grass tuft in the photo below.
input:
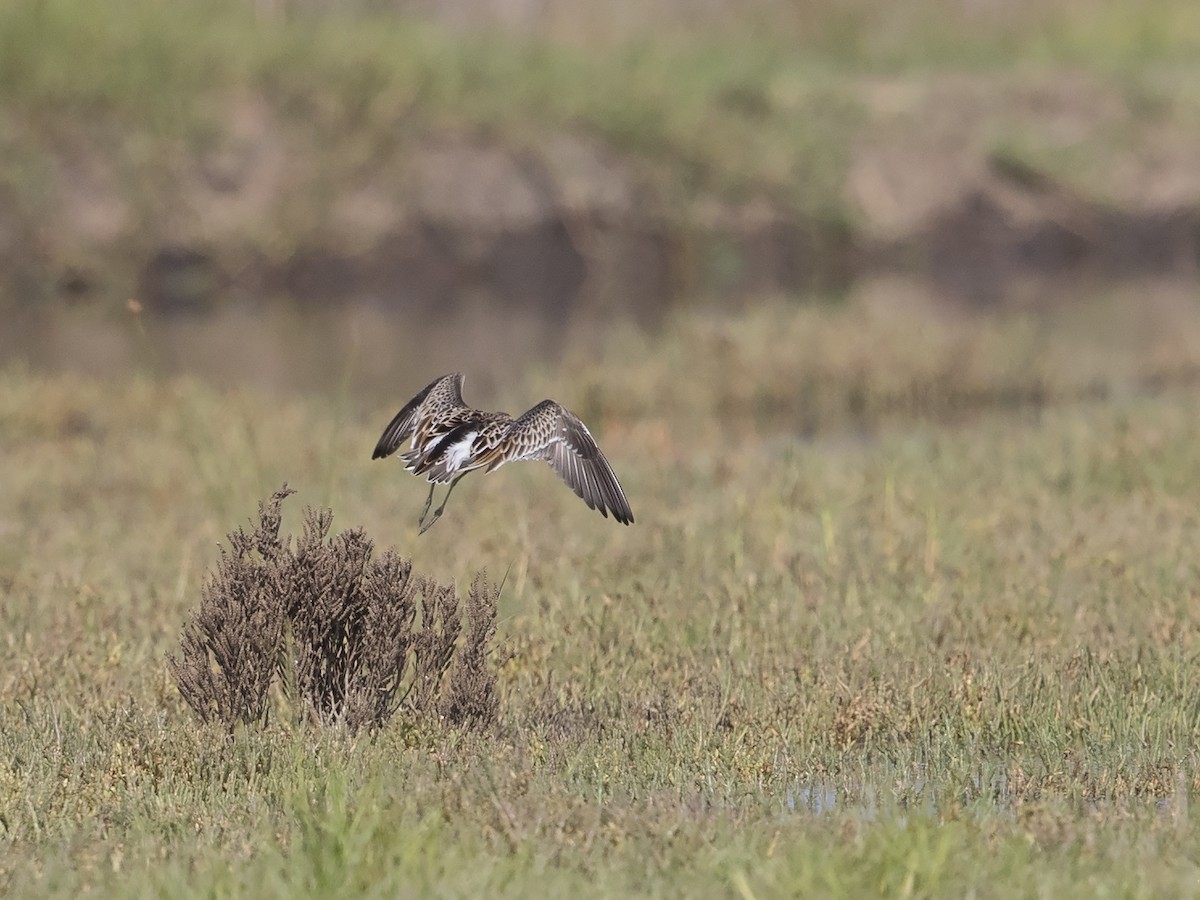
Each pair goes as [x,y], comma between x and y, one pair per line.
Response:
[471,698]
[229,649]
[352,637]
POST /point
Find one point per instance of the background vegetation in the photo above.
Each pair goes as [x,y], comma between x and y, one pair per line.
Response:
[722,100]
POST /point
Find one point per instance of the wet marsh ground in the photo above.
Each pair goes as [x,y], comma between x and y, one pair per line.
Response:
[868,636]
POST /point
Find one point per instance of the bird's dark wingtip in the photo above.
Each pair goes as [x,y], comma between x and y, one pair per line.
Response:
[386,445]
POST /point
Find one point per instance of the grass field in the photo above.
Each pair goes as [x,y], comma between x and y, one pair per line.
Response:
[946,649]
[911,604]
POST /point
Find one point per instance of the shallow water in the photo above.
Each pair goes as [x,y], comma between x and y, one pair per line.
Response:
[373,352]
[272,347]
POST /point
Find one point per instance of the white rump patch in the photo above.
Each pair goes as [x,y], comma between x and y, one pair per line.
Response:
[460,451]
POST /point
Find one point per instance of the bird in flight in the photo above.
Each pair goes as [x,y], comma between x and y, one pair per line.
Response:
[448,440]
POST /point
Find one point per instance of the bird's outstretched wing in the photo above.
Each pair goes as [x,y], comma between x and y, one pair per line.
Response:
[440,396]
[553,433]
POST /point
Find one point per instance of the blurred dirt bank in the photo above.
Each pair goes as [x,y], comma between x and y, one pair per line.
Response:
[561,226]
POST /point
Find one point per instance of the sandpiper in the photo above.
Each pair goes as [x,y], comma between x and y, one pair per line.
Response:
[450,439]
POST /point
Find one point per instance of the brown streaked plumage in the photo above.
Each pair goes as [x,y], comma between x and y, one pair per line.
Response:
[448,439]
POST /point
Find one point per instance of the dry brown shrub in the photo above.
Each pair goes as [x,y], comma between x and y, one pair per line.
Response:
[229,647]
[471,698]
[352,637]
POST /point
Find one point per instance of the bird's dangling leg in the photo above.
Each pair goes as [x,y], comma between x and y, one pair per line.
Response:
[425,509]
[437,513]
